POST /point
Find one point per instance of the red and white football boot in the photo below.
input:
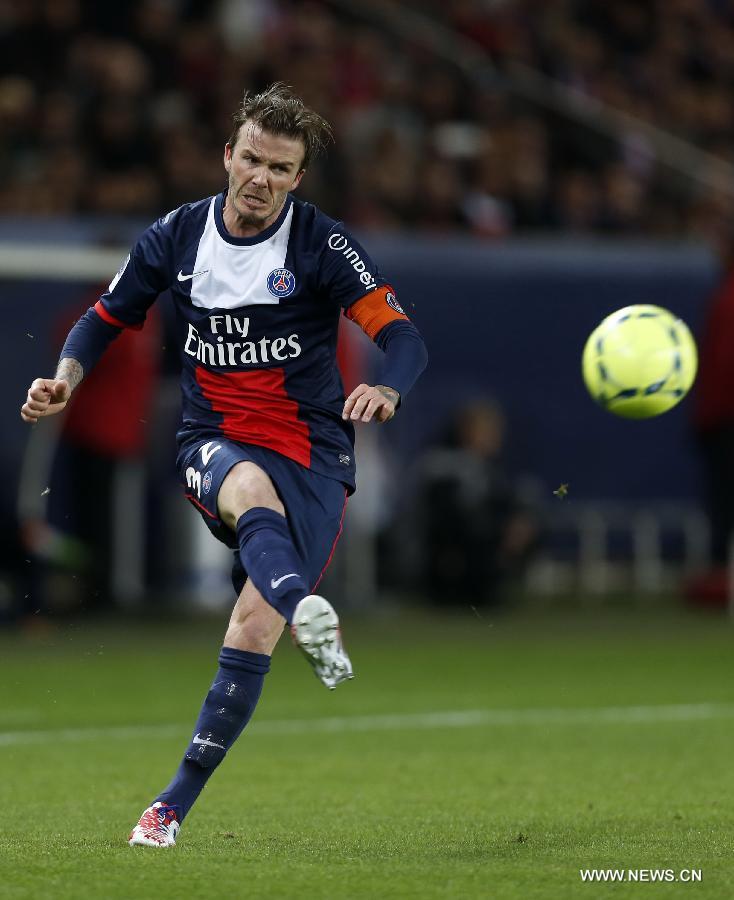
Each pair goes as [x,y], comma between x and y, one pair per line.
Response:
[158,827]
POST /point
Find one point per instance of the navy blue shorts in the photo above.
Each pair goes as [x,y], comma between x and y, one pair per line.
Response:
[314,504]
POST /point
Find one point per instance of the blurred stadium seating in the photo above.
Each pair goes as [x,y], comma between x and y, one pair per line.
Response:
[545,120]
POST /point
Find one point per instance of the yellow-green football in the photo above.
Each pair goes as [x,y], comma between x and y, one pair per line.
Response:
[639,362]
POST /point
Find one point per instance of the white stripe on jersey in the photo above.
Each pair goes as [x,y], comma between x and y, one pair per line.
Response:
[237,275]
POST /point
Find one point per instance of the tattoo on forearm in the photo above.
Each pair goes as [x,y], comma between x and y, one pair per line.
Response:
[392,395]
[71,370]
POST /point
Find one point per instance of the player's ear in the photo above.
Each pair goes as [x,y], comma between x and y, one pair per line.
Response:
[297,179]
[227,157]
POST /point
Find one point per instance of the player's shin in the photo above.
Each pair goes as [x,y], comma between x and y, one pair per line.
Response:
[227,709]
[270,559]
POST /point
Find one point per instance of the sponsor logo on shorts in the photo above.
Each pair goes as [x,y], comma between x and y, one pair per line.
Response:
[281,282]
[344,459]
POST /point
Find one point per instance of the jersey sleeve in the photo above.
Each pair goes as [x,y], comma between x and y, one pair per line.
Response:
[88,340]
[354,281]
[142,277]
[406,356]
[349,277]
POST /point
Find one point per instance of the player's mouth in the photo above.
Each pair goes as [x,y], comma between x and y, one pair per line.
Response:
[254,201]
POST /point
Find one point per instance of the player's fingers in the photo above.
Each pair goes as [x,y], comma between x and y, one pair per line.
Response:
[34,409]
[42,385]
[60,391]
[374,405]
[36,402]
[352,399]
[28,415]
[348,405]
[385,412]
[360,406]
[49,411]
[38,394]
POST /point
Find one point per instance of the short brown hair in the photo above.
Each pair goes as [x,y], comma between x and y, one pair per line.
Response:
[280,111]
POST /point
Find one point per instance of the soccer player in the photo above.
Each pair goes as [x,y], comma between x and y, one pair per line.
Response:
[266,448]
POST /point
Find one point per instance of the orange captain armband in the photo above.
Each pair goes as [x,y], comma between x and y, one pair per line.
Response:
[375,310]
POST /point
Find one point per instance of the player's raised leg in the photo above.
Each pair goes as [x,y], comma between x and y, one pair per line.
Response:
[249,503]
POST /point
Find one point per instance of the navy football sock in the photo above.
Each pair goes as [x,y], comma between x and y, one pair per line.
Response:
[271,560]
[227,709]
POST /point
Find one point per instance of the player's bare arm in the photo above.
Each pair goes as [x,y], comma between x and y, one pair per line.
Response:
[48,396]
[367,402]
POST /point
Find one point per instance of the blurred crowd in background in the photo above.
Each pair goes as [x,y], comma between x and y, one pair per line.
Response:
[124,108]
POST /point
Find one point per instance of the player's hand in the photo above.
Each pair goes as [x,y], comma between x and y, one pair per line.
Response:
[367,403]
[46,396]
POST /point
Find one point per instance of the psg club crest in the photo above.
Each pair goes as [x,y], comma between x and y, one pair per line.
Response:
[207,482]
[281,282]
[392,301]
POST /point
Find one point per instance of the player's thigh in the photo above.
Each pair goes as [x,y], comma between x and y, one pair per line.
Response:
[245,486]
[204,465]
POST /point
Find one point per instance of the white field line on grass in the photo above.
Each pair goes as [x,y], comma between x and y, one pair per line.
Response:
[468,718]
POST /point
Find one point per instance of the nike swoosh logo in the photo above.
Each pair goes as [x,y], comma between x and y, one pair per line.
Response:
[205,743]
[182,277]
[274,583]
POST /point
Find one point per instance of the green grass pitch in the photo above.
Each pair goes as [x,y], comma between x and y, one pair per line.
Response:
[472,757]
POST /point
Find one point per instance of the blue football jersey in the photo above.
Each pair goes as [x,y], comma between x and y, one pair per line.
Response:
[257,322]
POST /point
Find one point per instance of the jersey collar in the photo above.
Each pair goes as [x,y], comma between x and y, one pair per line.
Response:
[247,241]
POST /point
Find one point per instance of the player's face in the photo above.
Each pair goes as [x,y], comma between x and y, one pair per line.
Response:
[262,169]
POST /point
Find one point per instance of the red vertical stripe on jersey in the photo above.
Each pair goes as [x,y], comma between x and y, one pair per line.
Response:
[257,410]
